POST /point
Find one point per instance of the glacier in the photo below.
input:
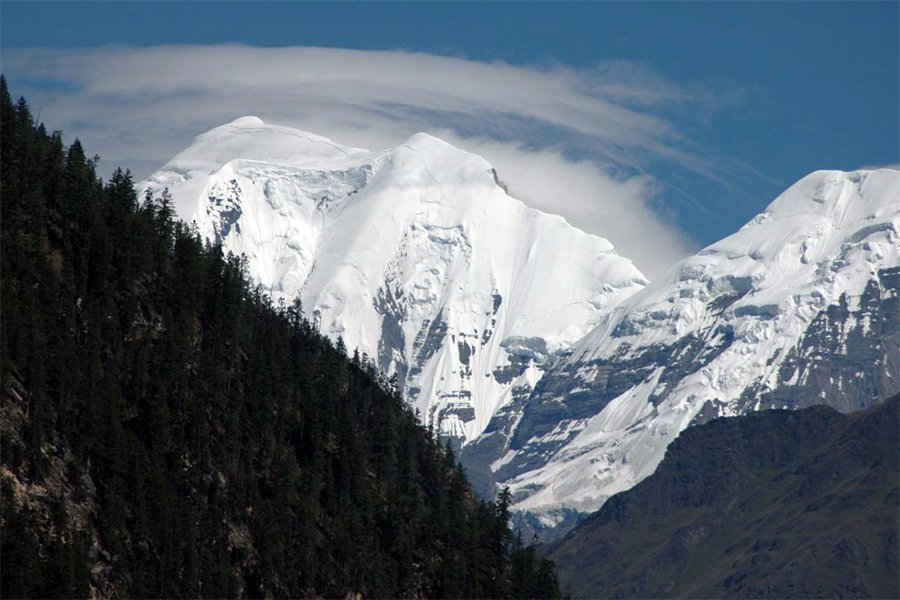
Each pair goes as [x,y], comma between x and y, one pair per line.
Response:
[548,359]
[416,256]
[801,306]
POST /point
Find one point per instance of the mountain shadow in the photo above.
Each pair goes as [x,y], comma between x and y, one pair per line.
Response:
[775,504]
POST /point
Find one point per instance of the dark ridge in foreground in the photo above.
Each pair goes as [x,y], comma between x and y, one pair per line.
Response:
[775,504]
[167,432]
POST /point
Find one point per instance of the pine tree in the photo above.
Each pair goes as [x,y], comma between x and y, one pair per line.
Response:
[211,444]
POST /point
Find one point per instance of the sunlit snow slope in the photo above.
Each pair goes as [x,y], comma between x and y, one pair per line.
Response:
[416,256]
[799,305]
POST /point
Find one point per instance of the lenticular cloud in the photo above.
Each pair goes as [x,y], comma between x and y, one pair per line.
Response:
[594,132]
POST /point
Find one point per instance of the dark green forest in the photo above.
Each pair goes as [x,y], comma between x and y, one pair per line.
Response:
[167,431]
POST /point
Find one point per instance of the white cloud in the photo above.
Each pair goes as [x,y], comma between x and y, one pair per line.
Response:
[139,106]
[582,193]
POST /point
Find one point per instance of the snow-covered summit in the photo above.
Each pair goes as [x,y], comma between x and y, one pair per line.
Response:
[800,306]
[825,235]
[416,255]
[813,219]
[248,138]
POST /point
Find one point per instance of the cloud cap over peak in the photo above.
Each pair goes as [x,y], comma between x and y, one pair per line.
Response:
[580,143]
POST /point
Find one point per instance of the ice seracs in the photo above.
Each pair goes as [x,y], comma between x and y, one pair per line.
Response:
[416,256]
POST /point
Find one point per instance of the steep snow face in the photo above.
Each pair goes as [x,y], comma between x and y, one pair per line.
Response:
[801,300]
[415,256]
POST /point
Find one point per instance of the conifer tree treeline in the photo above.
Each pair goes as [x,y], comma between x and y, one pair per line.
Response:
[167,431]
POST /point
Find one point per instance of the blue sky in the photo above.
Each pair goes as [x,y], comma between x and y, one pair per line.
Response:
[762,93]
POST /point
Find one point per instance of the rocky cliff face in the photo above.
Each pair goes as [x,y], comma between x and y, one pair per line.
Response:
[799,307]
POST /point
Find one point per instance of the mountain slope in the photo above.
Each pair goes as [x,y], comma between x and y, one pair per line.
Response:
[166,432]
[799,307]
[775,504]
[416,256]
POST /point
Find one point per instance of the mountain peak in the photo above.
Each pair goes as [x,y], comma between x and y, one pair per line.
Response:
[832,193]
[813,218]
[415,255]
[247,121]
[245,138]
[802,299]
[441,150]
[444,162]
[423,140]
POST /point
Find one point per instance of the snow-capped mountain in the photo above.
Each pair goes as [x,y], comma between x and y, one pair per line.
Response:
[416,256]
[800,305]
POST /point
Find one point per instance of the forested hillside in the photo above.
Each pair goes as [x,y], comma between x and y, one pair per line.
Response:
[168,432]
